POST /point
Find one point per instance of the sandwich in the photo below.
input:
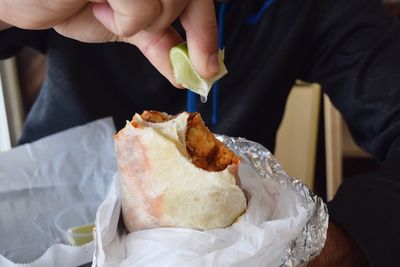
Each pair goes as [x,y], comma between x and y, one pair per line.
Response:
[175,173]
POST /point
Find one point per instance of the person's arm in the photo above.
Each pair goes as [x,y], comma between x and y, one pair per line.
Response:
[357,62]
[339,250]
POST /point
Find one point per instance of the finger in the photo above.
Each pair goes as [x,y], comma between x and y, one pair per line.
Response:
[200,23]
[39,14]
[4,25]
[127,17]
[171,9]
[83,26]
[156,46]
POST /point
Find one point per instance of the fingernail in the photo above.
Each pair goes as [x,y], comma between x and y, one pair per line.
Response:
[213,63]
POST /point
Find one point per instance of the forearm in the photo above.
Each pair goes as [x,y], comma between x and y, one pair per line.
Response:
[366,207]
[4,25]
[339,250]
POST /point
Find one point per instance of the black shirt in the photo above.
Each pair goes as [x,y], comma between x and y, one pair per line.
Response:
[350,47]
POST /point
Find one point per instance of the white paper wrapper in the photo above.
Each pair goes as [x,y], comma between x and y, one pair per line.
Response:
[39,180]
[284,225]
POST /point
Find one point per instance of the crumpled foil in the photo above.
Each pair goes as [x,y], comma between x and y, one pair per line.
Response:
[310,243]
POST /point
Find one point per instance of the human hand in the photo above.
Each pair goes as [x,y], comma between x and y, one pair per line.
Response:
[339,250]
[66,15]
[144,23]
[4,25]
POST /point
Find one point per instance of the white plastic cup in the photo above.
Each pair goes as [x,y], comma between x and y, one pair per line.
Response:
[76,223]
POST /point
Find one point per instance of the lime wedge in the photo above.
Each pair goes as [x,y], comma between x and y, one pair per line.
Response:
[82,229]
[80,235]
[186,75]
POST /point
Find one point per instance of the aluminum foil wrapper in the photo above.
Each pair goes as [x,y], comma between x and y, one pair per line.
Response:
[312,239]
[294,234]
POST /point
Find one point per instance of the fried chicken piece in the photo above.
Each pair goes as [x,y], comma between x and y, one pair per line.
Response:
[151,116]
[156,116]
[205,151]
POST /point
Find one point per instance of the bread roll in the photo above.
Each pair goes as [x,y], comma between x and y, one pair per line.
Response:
[175,173]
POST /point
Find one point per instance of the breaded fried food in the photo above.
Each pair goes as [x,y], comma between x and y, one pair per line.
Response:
[206,151]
